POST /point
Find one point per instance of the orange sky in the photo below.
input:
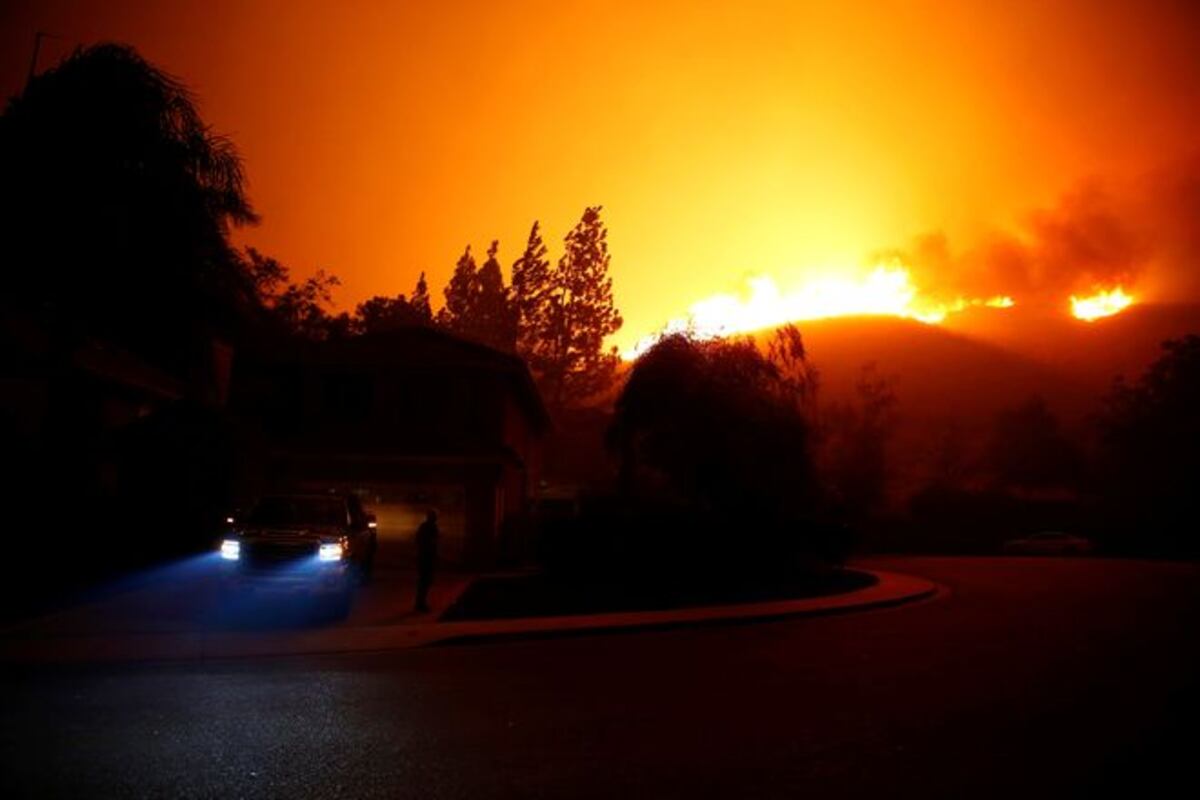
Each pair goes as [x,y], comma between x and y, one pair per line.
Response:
[723,139]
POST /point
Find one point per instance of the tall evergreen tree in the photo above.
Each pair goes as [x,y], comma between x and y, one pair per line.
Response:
[419,302]
[581,314]
[459,293]
[478,304]
[494,315]
[532,287]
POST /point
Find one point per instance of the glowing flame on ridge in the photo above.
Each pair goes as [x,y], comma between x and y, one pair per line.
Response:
[887,290]
[1101,304]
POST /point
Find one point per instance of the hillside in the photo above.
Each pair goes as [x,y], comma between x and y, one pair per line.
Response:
[987,359]
[1092,353]
[939,374]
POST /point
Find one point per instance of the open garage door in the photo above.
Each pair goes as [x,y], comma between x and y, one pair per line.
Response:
[400,507]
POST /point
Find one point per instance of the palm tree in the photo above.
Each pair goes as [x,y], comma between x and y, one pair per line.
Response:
[118,200]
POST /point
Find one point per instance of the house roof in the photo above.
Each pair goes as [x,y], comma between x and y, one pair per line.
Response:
[416,346]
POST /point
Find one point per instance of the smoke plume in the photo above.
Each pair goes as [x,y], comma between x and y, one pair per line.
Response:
[1143,235]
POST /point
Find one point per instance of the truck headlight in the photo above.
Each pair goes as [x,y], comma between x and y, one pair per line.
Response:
[332,551]
[231,549]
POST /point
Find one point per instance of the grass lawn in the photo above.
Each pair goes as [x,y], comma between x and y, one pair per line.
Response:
[548,595]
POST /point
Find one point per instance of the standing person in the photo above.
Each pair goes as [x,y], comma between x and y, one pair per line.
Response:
[427,541]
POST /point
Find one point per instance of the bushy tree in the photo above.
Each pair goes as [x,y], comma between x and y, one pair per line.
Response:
[715,443]
[299,308]
[854,443]
[718,425]
[392,313]
[949,461]
[1150,432]
[380,313]
[1028,450]
[786,350]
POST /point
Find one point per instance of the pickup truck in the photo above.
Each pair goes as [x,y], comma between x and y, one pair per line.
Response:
[317,542]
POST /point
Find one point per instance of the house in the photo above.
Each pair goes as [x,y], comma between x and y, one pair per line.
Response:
[410,419]
[106,445]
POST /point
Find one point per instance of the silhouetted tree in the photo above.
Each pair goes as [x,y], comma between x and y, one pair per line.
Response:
[117,200]
[854,442]
[949,461]
[419,302]
[381,313]
[569,358]
[1150,432]
[532,287]
[268,276]
[460,294]
[494,316]
[340,326]
[1028,450]
[478,305]
[300,308]
[716,424]
[116,205]
[785,349]
[391,313]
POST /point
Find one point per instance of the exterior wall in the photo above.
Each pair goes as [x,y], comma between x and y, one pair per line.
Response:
[374,424]
[525,441]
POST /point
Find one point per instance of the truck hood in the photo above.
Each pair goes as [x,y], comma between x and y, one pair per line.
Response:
[290,534]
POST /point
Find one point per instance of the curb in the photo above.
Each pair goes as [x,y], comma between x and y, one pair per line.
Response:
[891,589]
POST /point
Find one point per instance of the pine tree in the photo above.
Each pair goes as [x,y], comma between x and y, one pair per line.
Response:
[459,295]
[478,304]
[532,287]
[581,315]
[419,302]
[494,315]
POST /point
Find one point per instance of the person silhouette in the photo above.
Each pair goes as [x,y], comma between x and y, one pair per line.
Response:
[427,542]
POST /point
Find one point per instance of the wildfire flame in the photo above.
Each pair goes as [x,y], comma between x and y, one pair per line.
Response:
[1101,304]
[886,290]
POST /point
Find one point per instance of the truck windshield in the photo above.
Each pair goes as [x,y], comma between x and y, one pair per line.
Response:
[298,511]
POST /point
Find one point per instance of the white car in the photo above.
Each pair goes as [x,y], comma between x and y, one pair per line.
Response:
[1049,543]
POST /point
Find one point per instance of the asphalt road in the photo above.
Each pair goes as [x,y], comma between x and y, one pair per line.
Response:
[1032,678]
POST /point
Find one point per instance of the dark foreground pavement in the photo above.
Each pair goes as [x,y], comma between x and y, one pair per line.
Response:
[1034,677]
